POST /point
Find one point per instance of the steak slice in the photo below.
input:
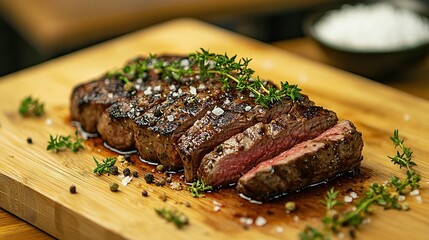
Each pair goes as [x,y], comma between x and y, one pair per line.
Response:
[239,113]
[116,123]
[237,155]
[335,151]
[157,131]
[89,100]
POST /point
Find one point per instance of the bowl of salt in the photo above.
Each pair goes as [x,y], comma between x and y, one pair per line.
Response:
[373,39]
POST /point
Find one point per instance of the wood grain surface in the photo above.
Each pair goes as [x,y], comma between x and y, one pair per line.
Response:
[34,183]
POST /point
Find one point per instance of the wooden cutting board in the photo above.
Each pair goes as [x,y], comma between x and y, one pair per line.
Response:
[34,183]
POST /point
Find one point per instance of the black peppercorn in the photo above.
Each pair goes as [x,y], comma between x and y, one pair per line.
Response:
[72,189]
[29,140]
[114,170]
[144,193]
[148,177]
[135,174]
[126,172]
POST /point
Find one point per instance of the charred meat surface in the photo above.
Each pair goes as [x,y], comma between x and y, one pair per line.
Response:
[237,155]
[157,131]
[238,112]
[335,151]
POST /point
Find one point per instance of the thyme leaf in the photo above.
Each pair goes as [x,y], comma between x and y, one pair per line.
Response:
[234,73]
[104,166]
[198,188]
[384,195]
[61,142]
[31,106]
[179,219]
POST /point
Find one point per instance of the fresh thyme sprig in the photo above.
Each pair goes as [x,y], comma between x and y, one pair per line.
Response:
[179,219]
[61,142]
[232,72]
[198,188]
[31,106]
[385,195]
[104,166]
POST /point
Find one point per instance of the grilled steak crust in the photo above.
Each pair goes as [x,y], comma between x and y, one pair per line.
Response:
[89,100]
[157,131]
[240,112]
[237,155]
[335,151]
[116,124]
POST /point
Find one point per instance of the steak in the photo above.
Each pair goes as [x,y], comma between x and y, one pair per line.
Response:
[237,155]
[116,124]
[157,131]
[335,151]
[239,113]
[90,100]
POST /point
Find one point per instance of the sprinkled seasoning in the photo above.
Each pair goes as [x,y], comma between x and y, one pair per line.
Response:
[144,193]
[157,88]
[201,87]
[29,140]
[192,90]
[114,187]
[72,189]
[260,221]
[247,108]
[218,111]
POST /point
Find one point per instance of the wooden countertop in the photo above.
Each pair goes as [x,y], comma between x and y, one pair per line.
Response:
[52,25]
[413,79]
[34,183]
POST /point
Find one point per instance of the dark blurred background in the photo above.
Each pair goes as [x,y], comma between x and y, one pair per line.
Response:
[38,30]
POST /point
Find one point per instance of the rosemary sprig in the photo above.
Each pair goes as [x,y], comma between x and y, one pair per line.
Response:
[198,188]
[104,166]
[232,72]
[31,106]
[384,195]
[61,142]
[179,219]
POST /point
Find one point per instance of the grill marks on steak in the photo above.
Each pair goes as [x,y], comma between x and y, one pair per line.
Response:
[234,157]
[158,129]
[240,112]
[335,151]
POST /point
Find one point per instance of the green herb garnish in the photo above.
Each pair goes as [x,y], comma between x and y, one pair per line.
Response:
[232,72]
[179,219]
[198,187]
[384,195]
[31,106]
[104,166]
[61,142]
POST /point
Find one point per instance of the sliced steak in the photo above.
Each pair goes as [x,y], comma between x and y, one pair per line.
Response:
[237,155]
[89,100]
[116,123]
[239,113]
[157,131]
[335,151]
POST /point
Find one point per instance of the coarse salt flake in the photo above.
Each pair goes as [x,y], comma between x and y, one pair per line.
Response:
[49,121]
[201,87]
[246,221]
[126,180]
[192,90]
[227,101]
[218,111]
[110,95]
[407,117]
[260,221]
[216,208]
[157,88]
[170,118]
[353,195]
[295,218]
[348,199]
[148,91]
[401,198]
[216,203]
[415,192]
[184,63]
[247,108]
